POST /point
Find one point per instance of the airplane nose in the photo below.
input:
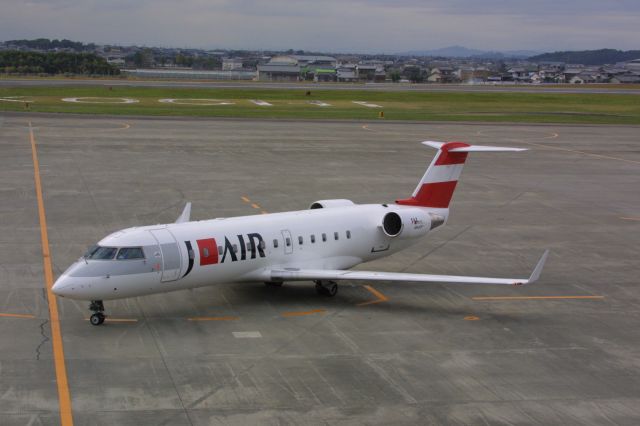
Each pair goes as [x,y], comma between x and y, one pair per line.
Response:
[60,287]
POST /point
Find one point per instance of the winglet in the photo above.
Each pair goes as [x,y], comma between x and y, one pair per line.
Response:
[538,269]
[186,214]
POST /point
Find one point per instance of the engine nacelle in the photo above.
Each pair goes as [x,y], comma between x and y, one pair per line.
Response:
[407,223]
[328,204]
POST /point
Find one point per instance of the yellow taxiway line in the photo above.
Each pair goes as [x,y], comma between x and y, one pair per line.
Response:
[303,313]
[486,298]
[17,316]
[64,398]
[228,318]
[254,205]
[380,297]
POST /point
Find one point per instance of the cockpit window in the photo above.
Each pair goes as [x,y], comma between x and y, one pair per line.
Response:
[101,253]
[127,253]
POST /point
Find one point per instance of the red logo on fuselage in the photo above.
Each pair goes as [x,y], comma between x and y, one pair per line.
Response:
[208,251]
[250,248]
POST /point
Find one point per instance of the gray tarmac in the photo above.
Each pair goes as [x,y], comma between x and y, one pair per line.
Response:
[420,354]
[382,87]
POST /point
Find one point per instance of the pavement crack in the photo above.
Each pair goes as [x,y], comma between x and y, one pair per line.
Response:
[44,340]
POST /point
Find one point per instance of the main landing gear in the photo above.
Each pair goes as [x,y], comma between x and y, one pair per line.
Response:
[97,307]
[326,288]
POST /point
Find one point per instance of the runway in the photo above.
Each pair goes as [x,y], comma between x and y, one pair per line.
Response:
[384,87]
[562,351]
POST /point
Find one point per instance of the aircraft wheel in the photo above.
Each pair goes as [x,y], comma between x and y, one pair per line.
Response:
[332,289]
[329,289]
[97,318]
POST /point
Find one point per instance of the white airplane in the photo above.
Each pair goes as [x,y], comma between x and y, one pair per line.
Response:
[320,244]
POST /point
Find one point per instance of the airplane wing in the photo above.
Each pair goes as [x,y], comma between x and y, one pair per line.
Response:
[185,216]
[294,274]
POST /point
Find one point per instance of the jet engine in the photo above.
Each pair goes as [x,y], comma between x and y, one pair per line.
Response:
[410,222]
[328,204]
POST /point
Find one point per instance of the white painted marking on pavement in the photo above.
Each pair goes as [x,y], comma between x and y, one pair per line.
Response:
[98,100]
[247,334]
[260,103]
[319,103]
[367,104]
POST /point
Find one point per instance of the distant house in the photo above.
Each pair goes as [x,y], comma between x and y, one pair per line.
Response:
[632,65]
[435,76]
[632,78]
[474,74]
[278,72]
[346,73]
[116,61]
[583,78]
[317,60]
[231,64]
[305,60]
[576,80]
[519,74]
[443,75]
[320,74]
[365,72]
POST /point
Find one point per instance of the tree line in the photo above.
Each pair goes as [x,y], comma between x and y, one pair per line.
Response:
[16,62]
[588,57]
[46,44]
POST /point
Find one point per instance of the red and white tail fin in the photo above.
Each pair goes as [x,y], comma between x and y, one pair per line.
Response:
[439,181]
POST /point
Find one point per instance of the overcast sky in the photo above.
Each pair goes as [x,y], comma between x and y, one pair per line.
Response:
[331,25]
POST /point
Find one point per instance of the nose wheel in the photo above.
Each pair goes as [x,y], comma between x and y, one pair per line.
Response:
[327,288]
[98,317]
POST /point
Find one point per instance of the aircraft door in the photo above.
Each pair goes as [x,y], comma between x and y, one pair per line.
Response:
[288,242]
[171,259]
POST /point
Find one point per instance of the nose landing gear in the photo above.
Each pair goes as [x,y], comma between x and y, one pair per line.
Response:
[326,288]
[98,317]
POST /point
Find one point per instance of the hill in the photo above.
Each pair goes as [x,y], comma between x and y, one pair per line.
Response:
[588,57]
[464,52]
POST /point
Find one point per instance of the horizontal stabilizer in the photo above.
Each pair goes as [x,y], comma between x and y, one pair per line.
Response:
[186,214]
[473,148]
[295,274]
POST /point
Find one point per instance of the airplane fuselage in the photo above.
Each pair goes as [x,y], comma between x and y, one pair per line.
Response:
[243,249]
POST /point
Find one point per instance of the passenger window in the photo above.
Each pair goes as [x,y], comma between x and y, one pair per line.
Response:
[288,240]
[313,239]
[129,253]
[324,237]
[275,243]
[335,236]
[220,250]
[205,252]
[235,248]
[248,247]
[263,245]
[300,241]
[348,234]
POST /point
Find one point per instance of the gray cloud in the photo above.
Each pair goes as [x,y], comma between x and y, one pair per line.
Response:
[331,25]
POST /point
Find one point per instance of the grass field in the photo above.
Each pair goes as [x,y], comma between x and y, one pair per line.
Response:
[292,104]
